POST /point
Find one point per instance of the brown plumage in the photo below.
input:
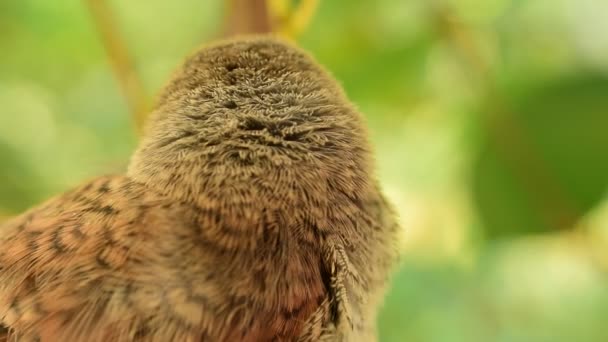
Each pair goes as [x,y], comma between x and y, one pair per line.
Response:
[249,212]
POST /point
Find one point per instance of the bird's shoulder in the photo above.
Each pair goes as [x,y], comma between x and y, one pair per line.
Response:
[112,260]
[110,212]
[78,254]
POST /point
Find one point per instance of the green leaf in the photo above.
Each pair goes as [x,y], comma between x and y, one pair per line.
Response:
[544,163]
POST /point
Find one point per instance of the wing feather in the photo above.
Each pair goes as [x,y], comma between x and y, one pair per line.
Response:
[65,265]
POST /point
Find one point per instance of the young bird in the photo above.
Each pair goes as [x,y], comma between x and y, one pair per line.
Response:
[249,212]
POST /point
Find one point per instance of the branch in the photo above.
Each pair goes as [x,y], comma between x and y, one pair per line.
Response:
[120,60]
[246,17]
[266,16]
[289,22]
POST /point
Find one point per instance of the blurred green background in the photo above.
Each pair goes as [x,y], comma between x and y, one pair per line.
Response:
[489,119]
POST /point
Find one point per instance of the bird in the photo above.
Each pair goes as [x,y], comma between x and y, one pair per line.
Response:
[249,211]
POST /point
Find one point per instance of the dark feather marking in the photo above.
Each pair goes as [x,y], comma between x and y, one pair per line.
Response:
[108,236]
[77,233]
[229,104]
[15,306]
[100,260]
[105,187]
[290,314]
[86,188]
[25,223]
[57,244]
[108,210]
[231,66]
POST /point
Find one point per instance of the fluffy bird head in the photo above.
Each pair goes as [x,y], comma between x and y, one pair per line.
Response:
[254,121]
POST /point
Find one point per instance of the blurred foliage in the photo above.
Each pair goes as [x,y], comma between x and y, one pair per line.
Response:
[566,123]
[488,119]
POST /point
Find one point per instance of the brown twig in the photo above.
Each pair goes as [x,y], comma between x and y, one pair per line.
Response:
[246,17]
[121,61]
[265,16]
[506,132]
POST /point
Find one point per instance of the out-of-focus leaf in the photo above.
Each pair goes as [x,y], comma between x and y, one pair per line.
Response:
[431,304]
[558,171]
[369,69]
[20,187]
[517,293]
